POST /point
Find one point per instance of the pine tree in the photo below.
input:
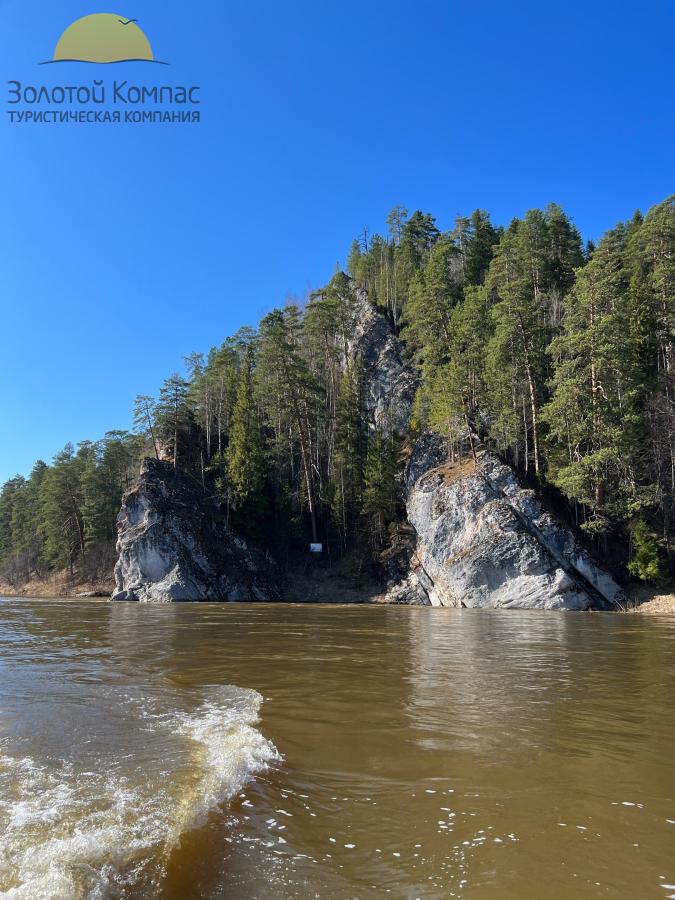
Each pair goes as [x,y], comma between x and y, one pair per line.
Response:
[395,223]
[60,500]
[346,481]
[515,351]
[291,398]
[652,257]
[93,491]
[381,484]
[456,393]
[432,295]
[144,415]
[529,277]
[173,415]
[245,454]
[595,410]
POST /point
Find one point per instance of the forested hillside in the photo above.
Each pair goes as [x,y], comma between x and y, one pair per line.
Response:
[557,355]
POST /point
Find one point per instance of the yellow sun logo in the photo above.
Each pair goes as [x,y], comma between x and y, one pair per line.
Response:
[103,38]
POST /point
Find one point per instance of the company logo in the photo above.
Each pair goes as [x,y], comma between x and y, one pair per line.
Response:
[104,38]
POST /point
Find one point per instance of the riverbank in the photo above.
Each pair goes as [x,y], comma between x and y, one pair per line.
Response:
[61,586]
[341,582]
[650,602]
[337,584]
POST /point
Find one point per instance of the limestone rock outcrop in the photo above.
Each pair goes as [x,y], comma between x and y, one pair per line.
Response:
[174,545]
[474,536]
[482,540]
[389,384]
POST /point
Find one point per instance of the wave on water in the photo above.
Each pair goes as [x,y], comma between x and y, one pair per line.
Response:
[69,833]
[231,751]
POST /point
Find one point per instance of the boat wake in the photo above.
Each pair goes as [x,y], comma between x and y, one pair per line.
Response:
[67,832]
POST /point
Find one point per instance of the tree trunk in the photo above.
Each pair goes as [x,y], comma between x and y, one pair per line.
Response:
[307,470]
[152,433]
[468,431]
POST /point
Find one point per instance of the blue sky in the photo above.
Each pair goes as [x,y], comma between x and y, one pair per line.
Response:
[124,248]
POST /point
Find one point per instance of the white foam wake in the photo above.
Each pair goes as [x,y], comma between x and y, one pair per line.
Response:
[69,833]
[230,751]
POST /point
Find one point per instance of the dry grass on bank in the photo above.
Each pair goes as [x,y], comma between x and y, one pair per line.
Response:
[646,601]
[60,585]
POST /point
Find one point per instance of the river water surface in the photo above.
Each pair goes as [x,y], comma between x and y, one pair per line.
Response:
[303,751]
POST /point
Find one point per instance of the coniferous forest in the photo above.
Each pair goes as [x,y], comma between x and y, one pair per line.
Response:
[557,354]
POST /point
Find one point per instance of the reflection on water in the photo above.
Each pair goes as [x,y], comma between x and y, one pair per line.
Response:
[403,752]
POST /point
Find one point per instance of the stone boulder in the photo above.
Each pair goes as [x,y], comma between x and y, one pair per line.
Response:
[485,541]
[173,544]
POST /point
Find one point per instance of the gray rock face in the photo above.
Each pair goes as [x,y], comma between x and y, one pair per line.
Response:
[173,545]
[485,541]
[390,385]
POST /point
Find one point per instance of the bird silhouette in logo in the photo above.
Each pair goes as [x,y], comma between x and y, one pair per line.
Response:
[98,38]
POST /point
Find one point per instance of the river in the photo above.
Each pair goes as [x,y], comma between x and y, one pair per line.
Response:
[304,751]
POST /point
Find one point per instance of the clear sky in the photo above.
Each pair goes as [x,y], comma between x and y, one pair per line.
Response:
[123,248]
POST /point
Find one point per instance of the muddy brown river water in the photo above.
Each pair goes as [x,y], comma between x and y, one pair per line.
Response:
[304,751]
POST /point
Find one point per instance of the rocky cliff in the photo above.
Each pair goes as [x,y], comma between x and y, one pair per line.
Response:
[482,540]
[477,538]
[389,385]
[174,545]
